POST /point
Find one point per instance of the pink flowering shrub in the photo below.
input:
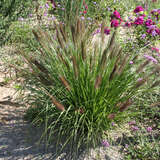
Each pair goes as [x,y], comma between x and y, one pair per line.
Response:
[144,26]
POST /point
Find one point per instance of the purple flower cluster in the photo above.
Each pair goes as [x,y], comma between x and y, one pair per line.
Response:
[156,13]
[106,31]
[153,29]
[143,36]
[139,20]
[132,122]
[134,128]
[105,143]
[47,6]
[131,62]
[149,129]
[139,79]
[148,23]
[150,58]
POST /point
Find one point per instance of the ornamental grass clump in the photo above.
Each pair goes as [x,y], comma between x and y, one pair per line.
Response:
[77,90]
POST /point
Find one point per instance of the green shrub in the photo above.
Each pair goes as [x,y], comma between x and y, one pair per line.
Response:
[78,89]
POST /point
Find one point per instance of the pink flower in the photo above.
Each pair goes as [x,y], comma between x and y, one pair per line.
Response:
[131,62]
[53,5]
[105,143]
[134,128]
[143,15]
[143,36]
[157,30]
[138,9]
[45,14]
[128,24]
[82,18]
[114,23]
[47,6]
[86,7]
[139,20]
[132,122]
[126,145]
[20,19]
[149,22]
[155,49]
[121,20]
[84,11]
[97,31]
[149,129]
[106,31]
[116,14]
[140,79]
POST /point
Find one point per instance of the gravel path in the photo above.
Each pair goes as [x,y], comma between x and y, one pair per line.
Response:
[18,139]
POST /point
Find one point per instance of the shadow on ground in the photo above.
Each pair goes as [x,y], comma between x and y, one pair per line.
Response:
[20,139]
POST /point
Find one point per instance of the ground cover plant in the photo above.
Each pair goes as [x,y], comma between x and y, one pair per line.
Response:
[10,12]
[79,90]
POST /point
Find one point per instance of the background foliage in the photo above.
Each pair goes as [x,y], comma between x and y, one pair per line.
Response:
[11,10]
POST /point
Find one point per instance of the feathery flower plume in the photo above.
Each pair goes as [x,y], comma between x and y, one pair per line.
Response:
[75,67]
[64,82]
[98,81]
[40,66]
[60,56]
[125,105]
[57,104]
